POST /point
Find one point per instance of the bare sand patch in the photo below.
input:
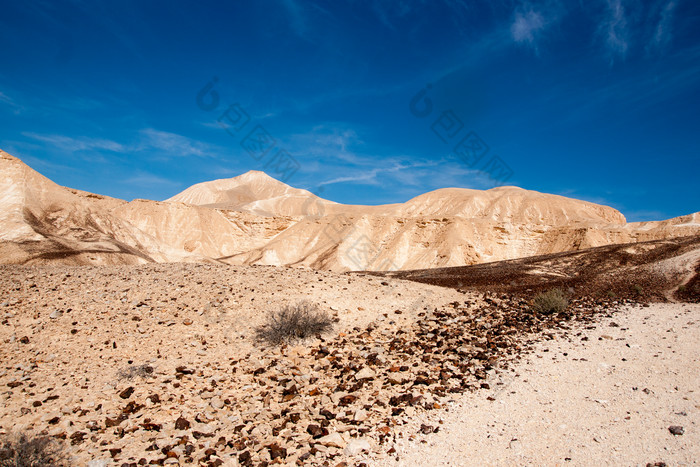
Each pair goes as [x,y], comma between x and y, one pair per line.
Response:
[604,395]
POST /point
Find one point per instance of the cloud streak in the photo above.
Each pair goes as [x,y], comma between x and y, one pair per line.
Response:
[152,140]
[173,144]
[663,30]
[369,176]
[615,29]
[66,143]
[297,19]
[10,102]
[526,27]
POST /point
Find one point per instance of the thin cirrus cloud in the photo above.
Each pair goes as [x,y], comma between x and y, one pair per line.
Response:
[527,27]
[173,144]
[622,27]
[68,144]
[4,98]
[297,17]
[663,30]
[619,25]
[152,140]
[615,29]
[369,177]
[10,103]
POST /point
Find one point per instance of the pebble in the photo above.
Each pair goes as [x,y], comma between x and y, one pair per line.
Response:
[360,415]
[356,447]
[333,440]
[365,373]
[99,463]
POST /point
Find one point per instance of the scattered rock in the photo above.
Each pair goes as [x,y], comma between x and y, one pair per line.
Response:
[126,393]
[99,463]
[427,429]
[333,440]
[182,370]
[676,430]
[365,373]
[182,424]
[316,431]
[356,447]
[276,452]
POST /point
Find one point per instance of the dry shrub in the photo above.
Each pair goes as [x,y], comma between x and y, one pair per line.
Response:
[23,450]
[552,301]
[133,371]
[294,322]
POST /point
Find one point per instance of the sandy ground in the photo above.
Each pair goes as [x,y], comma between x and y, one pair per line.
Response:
[603,393]
[605,397]
[68,334]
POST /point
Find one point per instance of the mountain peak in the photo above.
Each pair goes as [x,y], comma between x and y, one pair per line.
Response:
[247,178]
[254,191]
[256,174]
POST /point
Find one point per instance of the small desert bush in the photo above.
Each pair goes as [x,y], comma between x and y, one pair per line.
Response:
[294,322]
[552,301]
[133,371]
[22,450]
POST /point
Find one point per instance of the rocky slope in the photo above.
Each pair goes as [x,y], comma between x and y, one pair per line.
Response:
[159,364]
[661,270]
[254,219]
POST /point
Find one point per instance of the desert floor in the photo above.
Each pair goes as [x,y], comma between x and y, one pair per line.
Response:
[159,364]
[606,396]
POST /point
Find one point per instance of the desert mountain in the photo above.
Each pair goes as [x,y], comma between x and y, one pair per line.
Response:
[257,193]
[255,219]
[254,192]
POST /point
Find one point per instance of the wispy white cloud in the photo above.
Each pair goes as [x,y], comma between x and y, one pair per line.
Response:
[173,144]
[328,142]
[615,29]
[298,20]
[6,99]
[163,143]
[44,104]
[69,144]
[370,176]
[366,177]
[664,28]
[645,215]
[527,26]
[10,103]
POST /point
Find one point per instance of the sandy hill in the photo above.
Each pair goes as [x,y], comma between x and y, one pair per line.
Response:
[505,204]
[255,219]
[258,193]
[254,192]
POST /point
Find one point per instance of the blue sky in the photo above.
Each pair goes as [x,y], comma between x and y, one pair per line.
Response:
[593,100]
